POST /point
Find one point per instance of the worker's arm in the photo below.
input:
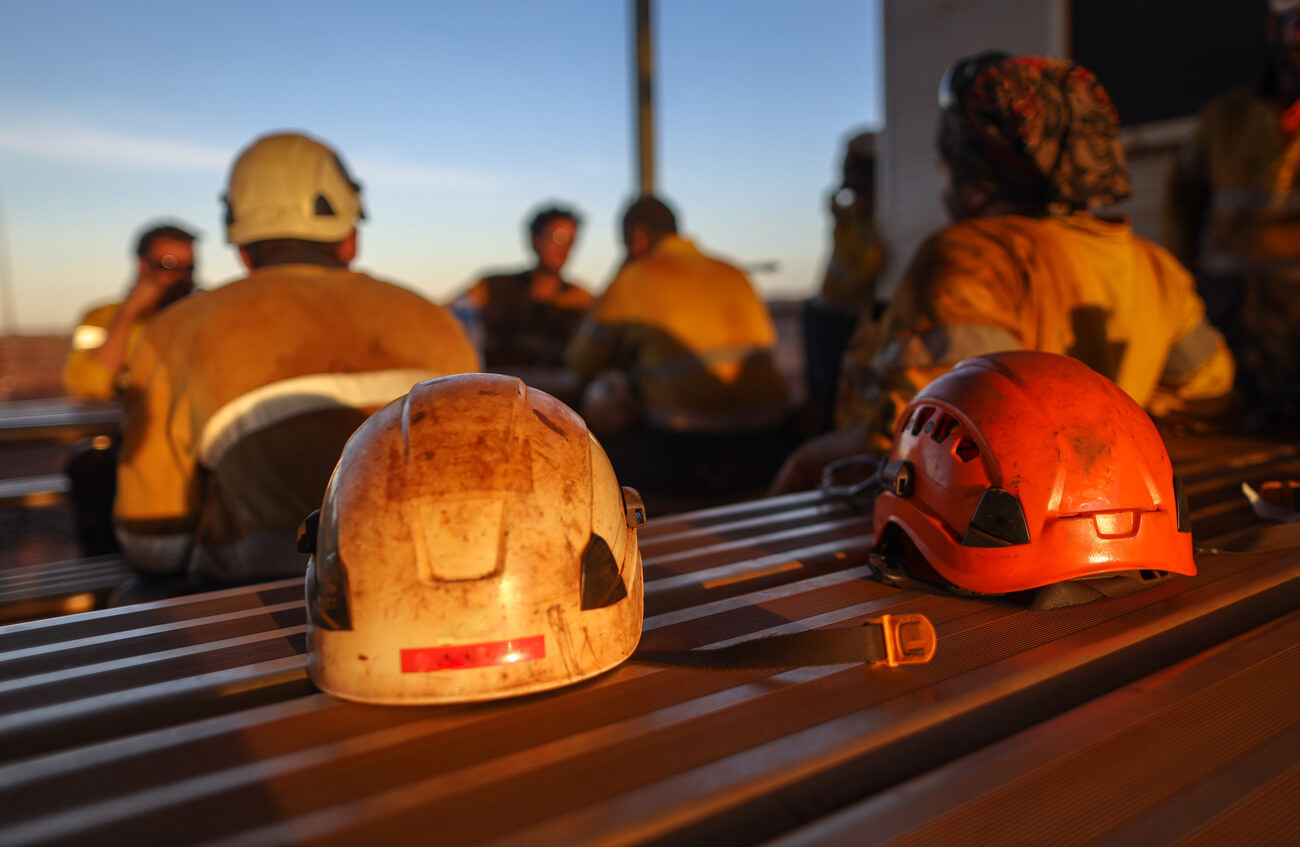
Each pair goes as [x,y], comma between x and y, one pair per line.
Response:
[958,299]
[156,509]
[1199,369]
[143,301]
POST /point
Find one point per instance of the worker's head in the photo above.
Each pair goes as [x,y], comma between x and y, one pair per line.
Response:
[165,252]
[646,220]
[552,232]
[291,199]
[1029,135]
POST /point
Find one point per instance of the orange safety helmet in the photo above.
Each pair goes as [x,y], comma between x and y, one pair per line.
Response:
[473,543]
[1018,470]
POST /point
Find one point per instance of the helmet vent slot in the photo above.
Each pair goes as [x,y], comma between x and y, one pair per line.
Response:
[999,521]
[966,450]
[944,428]
[922,416]
[602,584]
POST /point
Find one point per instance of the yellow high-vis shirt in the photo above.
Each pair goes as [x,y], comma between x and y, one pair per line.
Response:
[1078,284]
[84,375]
[693,335]
[238,402]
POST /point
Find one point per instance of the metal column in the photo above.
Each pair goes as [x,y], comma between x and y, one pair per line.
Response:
[645,118]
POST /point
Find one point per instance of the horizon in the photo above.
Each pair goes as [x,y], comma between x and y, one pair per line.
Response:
[457,120]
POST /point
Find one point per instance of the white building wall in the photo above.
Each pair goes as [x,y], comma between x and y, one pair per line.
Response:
[921,38]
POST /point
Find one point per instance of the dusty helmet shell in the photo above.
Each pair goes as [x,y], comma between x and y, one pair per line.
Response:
[473,543]
[289,185]
[1018,470]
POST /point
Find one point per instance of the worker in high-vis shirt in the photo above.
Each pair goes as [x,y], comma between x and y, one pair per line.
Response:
[238,402]
[1030,150]
[1232,215]
[106,334]
[527,318]
[848,289]
[678,354]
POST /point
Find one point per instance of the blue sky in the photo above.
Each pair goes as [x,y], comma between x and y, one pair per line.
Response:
[457,117]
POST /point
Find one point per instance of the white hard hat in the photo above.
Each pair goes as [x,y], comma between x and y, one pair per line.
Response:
[289,185]
[473,543]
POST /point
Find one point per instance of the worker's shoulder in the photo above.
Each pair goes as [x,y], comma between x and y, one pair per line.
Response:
[687,259]
[500,277]
[986,237]
[100,314]
[294,282]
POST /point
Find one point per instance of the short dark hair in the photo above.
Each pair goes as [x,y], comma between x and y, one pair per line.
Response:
[285,251]
[149,236]
[652,215]
[544,217]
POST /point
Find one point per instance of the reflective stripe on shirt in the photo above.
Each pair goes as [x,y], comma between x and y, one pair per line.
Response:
[287,398]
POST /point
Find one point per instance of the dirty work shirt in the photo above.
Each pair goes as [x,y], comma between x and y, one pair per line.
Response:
[84,375]
[237,405]
[693,336]
[521,325]
[1074,284]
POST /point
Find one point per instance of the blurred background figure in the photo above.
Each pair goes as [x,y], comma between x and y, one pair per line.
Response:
[238,402]
[102,345]
[526,318]
[106,335]
[684,392]
[1232,215]
[848,289]
[1030,150]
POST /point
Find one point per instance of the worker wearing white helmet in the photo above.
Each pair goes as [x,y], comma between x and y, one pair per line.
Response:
[239,400]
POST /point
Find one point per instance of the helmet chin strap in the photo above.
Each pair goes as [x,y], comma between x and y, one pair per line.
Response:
[886,641]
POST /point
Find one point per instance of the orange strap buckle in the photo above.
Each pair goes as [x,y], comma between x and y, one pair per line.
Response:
[909,639]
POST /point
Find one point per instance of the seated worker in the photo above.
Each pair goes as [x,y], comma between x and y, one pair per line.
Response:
[526,318]
[105,335]
[686,396]
[848,288]
[238,401]
[1232,215]
[1029,147]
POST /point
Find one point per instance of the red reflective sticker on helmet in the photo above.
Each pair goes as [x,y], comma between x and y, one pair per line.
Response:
[451,657]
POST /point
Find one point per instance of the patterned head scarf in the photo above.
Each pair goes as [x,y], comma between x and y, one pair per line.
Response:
[1037,131]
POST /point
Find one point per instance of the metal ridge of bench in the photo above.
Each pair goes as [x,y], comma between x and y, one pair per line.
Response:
[60,578]
[34,491]
[61,419]
[1226,757]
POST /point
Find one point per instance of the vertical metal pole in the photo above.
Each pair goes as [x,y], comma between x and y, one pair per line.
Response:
[645,114]
[10,319]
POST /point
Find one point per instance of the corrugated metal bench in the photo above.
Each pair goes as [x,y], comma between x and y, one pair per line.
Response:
[192,720]
[53,588]
[1206,752]
[34,492]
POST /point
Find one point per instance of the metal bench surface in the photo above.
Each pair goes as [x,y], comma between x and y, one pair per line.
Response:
[193,719]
